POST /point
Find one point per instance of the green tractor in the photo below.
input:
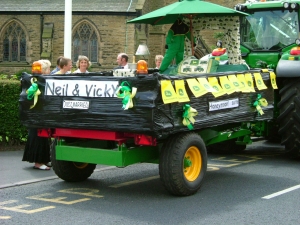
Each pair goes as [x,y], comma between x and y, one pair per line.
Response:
[270,39]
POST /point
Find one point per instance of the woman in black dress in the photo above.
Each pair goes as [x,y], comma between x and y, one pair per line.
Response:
[37,149]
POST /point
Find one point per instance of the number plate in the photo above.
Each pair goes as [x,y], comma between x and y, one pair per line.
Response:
[76,104]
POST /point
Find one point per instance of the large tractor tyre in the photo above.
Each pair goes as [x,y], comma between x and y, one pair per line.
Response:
[183,164]
[70,171]
[226,147]
[289,118]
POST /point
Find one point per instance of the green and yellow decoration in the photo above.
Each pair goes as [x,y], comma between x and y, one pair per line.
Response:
[33,92]
[188,116]
[127,94]
[260,102]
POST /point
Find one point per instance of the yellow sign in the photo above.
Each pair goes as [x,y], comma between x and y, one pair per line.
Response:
[181,92]
[242,80]
[213,81]
[196,88]
[168,93]
[259,82]
[205,84]
[236,83]
[273,80]
[227,85]
[249,82]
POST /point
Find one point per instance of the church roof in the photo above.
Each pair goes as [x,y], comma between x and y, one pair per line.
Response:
[117,6]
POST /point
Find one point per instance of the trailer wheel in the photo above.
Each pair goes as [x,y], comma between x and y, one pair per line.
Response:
[183,164]
[289,118]
[70,171]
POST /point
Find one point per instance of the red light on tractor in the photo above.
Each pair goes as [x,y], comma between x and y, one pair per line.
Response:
[218,51]
[295,51]
[36,68]
[142,67]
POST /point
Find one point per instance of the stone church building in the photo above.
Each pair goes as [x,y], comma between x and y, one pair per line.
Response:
[34,29]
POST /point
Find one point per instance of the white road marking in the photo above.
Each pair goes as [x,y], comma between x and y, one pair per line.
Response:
[45,178]
[281,192]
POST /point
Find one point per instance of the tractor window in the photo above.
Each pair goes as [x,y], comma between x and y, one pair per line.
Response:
[269,30]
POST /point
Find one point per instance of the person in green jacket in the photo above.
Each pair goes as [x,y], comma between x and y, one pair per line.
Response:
[175,43]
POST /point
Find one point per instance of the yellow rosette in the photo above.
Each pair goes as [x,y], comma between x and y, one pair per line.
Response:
[188,116]
[127,94]
[260,102]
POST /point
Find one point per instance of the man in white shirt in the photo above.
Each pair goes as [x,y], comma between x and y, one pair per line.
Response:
[122,61]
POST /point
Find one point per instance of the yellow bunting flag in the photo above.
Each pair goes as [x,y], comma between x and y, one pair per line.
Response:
[227,85]
[195,87]
[249,82]
[213,81]
[259,81]
[236,83]
[242,80]
[181,92]
[168,93]
[273,80]
[205,84]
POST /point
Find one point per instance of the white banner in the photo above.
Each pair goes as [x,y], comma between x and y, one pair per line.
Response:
[81,88]
[224,104]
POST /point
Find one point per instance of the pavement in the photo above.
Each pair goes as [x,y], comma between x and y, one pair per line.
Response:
[15,172]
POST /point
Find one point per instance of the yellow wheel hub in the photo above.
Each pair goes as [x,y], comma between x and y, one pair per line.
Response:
[192,163]
[80,165]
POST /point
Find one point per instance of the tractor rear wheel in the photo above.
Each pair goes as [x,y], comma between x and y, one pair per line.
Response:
[289,118]
[70,171]
[183,164]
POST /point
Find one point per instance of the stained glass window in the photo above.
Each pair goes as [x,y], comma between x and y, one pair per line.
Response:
[14,43]
[85,42]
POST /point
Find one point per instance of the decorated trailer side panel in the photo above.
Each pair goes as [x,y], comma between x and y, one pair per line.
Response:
[161,105]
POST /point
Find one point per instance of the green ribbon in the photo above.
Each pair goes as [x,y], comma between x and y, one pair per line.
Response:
[126,93]
[33,92]
[259,102]
[188,116]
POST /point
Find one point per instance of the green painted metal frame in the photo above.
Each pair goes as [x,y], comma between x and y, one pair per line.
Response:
[227,132]
[121,156]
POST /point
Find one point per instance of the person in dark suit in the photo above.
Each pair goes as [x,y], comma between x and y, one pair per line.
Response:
[122,60]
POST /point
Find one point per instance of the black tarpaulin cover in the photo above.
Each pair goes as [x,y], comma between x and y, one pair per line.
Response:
[90,102]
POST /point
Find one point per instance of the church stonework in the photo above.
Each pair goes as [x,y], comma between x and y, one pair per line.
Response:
[44,36]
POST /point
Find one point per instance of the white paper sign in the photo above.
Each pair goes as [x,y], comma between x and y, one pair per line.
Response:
[81,88]
[224,104]
[76,104]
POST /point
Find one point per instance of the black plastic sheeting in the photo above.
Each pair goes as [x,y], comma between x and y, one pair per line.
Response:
[149,114]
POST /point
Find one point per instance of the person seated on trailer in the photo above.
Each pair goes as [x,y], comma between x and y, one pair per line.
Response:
[83,63]
[57,65]
[158,60]
[122,60]
[65,66]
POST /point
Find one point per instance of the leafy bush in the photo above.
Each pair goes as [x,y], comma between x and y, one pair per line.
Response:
[12,132]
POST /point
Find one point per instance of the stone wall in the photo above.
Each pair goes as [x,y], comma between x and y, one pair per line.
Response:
[114,36]
[112,41]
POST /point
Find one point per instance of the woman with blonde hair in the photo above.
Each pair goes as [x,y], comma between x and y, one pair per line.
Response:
[83,63]
[37,149]
[158,60]
[46,64]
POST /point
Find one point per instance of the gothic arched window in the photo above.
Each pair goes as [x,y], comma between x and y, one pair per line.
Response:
[85,42]
[14,43]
